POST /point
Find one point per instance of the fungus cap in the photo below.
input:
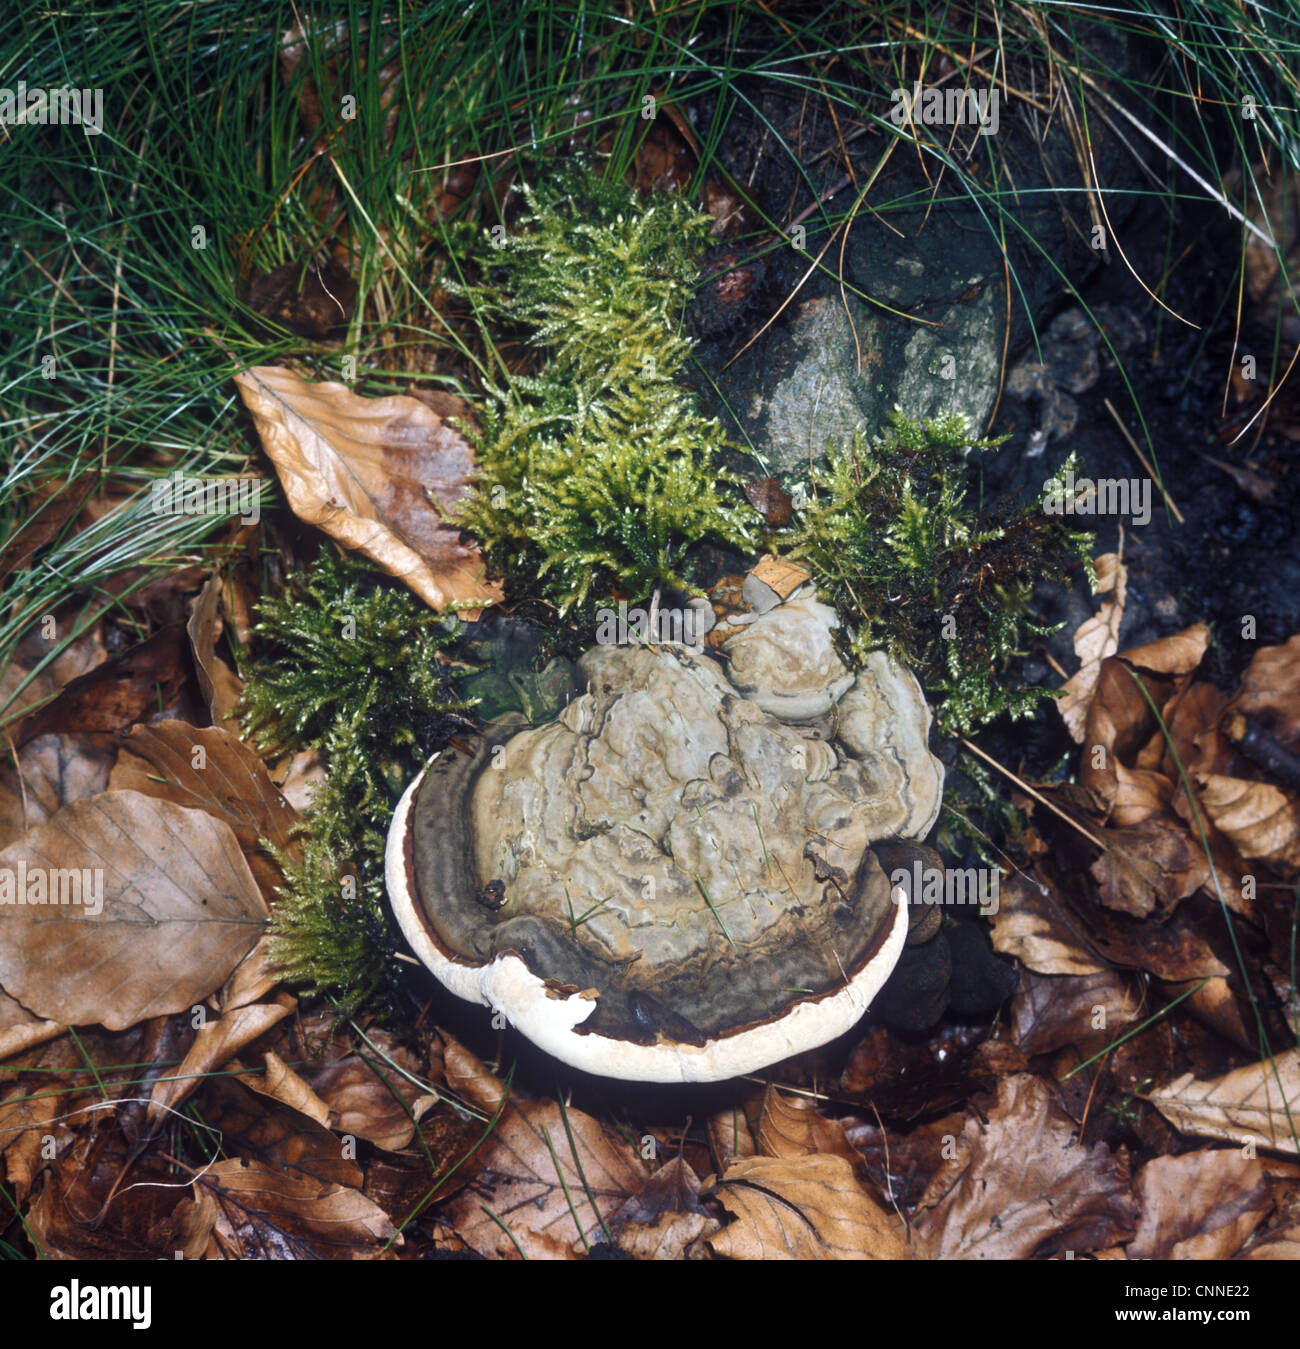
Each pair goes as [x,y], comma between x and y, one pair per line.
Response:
[667,883]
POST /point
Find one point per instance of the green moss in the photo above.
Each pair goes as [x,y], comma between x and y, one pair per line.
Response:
[911,565]
[353,672]
[600,470]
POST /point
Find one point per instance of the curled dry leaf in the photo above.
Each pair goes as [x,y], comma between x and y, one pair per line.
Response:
[364,471]
[381,1109]
[1097,638]
[1260,1103]
[1032,926]
[730,1137]
[264,1214]
[791,1126]
[546,1179]
[1148,868]
[20,1030]
[1022,1183]
[118,692]
[215,1044]
[470,1079]
[1051,1011]
[1260,820]
[178,910]
[220,685]
[804,1208]
[1198,1206]
[666,1218]
[97,1202]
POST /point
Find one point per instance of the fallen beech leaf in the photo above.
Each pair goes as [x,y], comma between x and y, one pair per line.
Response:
[252,980]
[730,1137]
[525,1167]
[98,1203]
[220,685]
[20,1030]
[211,770]
[361,1102]
[1259,819]
[1096,638]
[264,1214]
[1270,690]
[667,1237]
[278,1081]
[119,692]
[26,1116]
[901,1164]
[51,771]
[1198,1206]
[806,1208]
[1033,927]
[363,470]
[180,909]
[215,1044]
[1147,869]
[1051,1011]
[254,1125]
[1120,722]
[790,1126]
[469,1078]
[1245,1104]
[1022,1183]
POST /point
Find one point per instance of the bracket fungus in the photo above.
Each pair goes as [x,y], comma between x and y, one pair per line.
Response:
[674,881]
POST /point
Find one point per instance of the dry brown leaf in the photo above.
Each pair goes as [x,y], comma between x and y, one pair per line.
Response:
[220,685]
[278,1081]
[180,909]
[1147,869]
[1198,1206]
[1031,926]
[20,1030]
[1245,1104]
[362,469]
[1258,819]
[468,1078]
[791,1126]
[265,1214]
[1097,638]
[804,1208]
[252,980]
[362,1104]
[215,1044]
[901,1164]
[98,1203]
[1270,690]
[730,1137]
[118,692]
[1022,1183]
[667,1237]
[211,770]
[27,1115]
[525,1168]
[1088,1011]
[666,1217]
[251,1124]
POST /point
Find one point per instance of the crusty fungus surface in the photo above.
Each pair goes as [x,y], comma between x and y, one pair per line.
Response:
[674,880]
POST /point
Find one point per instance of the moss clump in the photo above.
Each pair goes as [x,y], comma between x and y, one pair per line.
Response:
[354,675]
[913,567]
[600,469]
